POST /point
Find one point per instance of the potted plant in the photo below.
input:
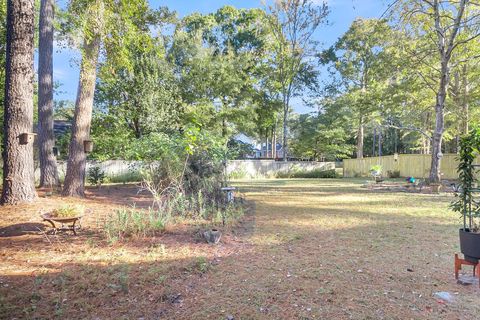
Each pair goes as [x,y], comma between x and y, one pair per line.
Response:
[376,172]
[464,202]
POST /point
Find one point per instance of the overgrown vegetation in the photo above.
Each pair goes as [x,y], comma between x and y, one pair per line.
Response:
[132,222]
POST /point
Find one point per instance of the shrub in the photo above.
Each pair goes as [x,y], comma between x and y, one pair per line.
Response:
[95,176]
[131,176]
[376,170]
[312,174]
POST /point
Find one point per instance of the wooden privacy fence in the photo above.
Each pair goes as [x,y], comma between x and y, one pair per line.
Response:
[409,165]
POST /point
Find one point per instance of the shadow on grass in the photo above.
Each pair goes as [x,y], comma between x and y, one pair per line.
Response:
[21,229]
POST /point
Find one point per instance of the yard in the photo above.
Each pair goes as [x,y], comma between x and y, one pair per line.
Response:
[306,249]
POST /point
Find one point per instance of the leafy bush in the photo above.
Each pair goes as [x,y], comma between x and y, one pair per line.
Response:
[131,176]
[129,222]
[311,174]
[96,176]
[376,170]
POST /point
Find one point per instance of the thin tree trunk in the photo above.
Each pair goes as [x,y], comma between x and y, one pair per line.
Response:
[379,142]
[75,176]
[46,138]
[445,48]
[18,167]
[274,142]
[465,104]
[360,135]
[437,136]
[266,140]
[285,128]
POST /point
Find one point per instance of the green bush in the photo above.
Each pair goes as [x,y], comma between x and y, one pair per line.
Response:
[312,174]
[131,176]
[95,176]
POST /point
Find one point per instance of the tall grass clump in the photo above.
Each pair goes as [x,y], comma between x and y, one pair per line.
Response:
[132,222]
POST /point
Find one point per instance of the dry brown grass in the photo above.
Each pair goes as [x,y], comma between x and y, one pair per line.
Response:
[315,249]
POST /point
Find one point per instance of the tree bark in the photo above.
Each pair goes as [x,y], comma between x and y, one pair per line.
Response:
[437,136]
[18,167]
[360,135]
[379,142]
[46,138]
[446,45]
[465,100]
[286,108]
[75,176]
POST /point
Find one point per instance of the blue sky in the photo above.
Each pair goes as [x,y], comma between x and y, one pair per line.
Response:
[343,12]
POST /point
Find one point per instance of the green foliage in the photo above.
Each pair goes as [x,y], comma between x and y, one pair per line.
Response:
[376,170]
[95,176]
[68,211]
[321,137]
[238,149]
[464,202]
[131,176]
[310,174]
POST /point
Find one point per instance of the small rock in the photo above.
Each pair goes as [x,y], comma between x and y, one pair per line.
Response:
[230,317]
[443,295]
[409,269]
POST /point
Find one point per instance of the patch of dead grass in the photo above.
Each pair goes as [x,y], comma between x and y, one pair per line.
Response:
[315,249]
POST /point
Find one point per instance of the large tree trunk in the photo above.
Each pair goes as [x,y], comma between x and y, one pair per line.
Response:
[18,168]
[360,135]
[437,136]
[46,138]
[75,176]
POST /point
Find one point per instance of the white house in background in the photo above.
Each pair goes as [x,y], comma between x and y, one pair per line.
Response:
[261,151]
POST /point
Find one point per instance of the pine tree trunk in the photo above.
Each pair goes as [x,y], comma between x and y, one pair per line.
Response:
[75,176]
[18,167]
[360,135]
[46,138]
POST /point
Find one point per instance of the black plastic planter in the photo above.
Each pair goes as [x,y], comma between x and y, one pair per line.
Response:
[470,245]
